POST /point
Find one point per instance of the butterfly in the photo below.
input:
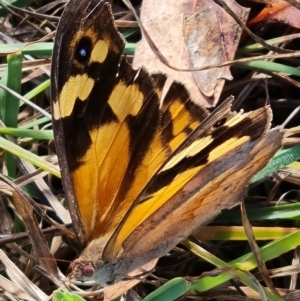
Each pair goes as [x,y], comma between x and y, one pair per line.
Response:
[140,173]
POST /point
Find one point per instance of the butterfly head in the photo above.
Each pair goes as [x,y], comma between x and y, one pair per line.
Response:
[81,270]
[85,270]
[94,268]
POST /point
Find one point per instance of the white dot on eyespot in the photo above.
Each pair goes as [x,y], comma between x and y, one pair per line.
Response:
[82,52]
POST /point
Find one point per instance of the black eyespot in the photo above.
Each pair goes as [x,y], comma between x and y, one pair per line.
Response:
[83,50]
[220,123]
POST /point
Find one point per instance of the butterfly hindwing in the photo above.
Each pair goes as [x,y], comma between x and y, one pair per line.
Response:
[194,195]
[224,134]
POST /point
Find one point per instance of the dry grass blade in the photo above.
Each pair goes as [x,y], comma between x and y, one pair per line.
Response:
[38,240]
[14,290]
[256,252]
[20,280]
[37,208]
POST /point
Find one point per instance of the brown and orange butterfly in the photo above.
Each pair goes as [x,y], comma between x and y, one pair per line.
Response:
[140,173]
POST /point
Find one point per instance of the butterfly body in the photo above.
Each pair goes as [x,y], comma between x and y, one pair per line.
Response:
[140,174]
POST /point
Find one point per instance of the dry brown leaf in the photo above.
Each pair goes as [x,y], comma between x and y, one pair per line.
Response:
[183,26]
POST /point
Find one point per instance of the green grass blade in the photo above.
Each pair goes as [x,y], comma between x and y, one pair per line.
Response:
[282,158]
[170,291]
[9,103]
[66,296]
[28,156]
[25,133]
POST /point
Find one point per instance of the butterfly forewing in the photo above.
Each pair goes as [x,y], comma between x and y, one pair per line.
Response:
[179,115]
[111,135]
[82,56]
